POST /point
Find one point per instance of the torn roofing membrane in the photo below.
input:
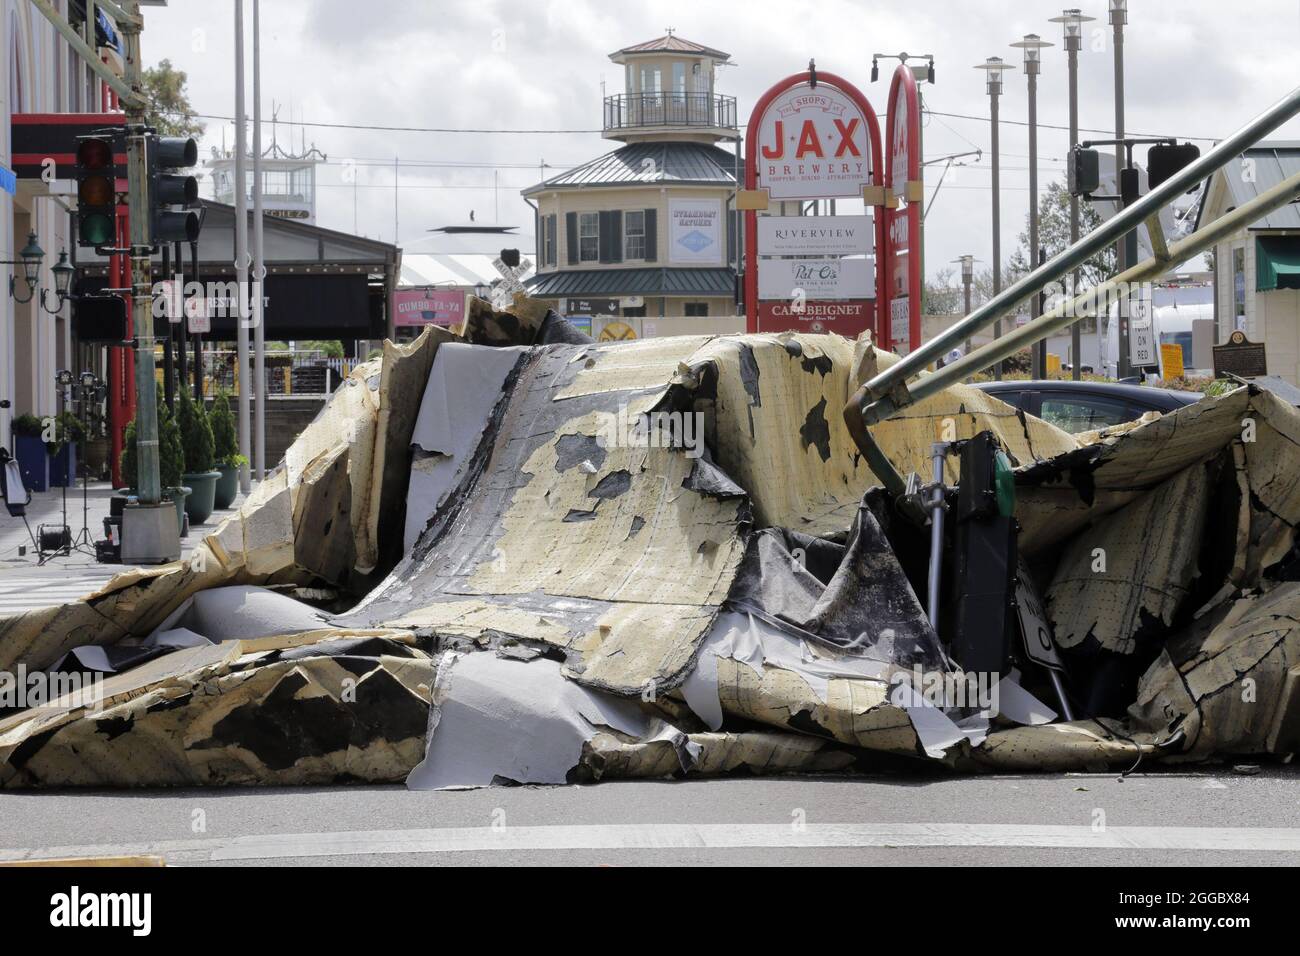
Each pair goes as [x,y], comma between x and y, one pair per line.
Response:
[667,557]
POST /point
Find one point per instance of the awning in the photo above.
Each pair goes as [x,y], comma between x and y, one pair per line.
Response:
[660,281]
[1277,263]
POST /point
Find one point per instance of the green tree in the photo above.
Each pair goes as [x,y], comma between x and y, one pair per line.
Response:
[169,110]
[225,443]
[171,451]
[1054,236]
[196,433]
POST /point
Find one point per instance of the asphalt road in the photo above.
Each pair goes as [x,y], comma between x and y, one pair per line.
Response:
[1201,817]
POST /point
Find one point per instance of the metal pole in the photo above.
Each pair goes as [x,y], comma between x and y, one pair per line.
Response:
[182,353]
[1072,44]
[259,266]
[997,219]
[241,252]
[938,451]
[1095,299]
[1092,243]
[1038,355]
[146,415]
[198,337]
[1118,16]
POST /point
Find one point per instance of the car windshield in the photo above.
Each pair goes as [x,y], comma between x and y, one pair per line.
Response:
[1083,413]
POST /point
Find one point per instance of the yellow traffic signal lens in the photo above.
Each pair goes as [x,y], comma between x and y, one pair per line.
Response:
[95,191]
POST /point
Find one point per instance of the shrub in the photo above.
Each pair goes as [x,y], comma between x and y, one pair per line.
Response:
[171,451]
[27,424]
[196,433]
[225,445]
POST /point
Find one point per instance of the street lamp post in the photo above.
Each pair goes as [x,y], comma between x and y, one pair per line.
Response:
[1126,247]
[1033,45]
[993,68]
[241,257]
[1072,22]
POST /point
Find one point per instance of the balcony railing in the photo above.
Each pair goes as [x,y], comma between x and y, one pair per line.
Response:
[628,111]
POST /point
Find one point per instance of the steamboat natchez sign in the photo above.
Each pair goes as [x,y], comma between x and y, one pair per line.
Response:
[813,136]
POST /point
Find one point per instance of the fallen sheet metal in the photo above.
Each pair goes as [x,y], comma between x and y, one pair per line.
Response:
[500,720]
[629,557]
[332,712]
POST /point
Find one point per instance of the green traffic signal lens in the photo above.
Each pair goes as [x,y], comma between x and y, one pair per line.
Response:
[96,229]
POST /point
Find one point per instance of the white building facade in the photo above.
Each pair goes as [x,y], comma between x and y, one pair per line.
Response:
[42,75]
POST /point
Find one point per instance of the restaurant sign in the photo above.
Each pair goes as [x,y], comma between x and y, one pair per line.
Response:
[428,307]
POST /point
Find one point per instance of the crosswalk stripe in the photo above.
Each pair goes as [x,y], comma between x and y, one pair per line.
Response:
[617,837]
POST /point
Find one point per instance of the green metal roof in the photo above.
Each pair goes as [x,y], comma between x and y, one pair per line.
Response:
[668,164]
[659,281]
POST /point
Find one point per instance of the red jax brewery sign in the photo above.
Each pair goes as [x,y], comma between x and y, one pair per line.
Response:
[813,136]
[813,144]
[903,224]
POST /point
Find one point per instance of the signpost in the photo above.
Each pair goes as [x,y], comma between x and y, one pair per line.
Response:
[812,136]
[903,221]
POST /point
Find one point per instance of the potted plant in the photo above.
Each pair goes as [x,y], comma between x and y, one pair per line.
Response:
[29,449]
[225,449]
[96,447]
[171,460]
[68,434]
[200,475]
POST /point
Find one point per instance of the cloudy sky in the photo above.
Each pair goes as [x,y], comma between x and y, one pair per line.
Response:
[519,82]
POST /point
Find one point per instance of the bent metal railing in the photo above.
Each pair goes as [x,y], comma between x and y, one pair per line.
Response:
[890,391]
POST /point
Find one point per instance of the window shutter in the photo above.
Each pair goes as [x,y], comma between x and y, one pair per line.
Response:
[571,236]
[606,231]
[615,235]
[551,237]
[651,235]
[730,226]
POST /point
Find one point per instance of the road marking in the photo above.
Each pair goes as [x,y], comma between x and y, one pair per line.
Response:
[724,836]
[29,593]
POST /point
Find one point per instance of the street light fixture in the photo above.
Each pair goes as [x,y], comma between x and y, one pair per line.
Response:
[1072,22]
[993,69]
[30,258]
[1033,46]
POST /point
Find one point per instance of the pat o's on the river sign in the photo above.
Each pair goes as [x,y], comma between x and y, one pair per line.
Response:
[813,136]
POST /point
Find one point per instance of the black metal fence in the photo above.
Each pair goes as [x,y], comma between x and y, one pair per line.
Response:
[628,110]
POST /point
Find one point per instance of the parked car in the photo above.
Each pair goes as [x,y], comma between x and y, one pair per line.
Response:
[1084,406]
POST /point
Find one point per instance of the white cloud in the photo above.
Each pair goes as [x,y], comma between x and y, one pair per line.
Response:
[1193,68]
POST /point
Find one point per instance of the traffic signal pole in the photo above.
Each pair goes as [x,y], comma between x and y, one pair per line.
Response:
[137,177]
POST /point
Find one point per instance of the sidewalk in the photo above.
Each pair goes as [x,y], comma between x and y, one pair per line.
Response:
[25,584]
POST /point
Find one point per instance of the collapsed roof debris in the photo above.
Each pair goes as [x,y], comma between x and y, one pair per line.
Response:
[561,561]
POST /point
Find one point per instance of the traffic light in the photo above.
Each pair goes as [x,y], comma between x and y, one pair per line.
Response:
[1084,173]
[96,191]
[170,186]
[1165,159]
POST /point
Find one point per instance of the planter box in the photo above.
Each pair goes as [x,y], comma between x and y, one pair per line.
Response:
[34,461]
[63,467]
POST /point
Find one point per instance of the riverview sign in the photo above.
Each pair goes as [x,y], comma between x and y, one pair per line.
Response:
[812,136]
[815,235]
